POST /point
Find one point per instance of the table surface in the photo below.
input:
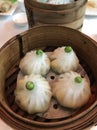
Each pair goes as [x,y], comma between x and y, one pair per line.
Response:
[8,29]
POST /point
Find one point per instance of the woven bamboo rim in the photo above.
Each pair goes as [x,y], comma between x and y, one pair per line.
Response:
[54,7]
[42,36]
[68,15]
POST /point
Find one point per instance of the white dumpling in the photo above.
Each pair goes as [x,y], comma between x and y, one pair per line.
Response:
[36,62]
[71,90]
[33,93]
[64,59]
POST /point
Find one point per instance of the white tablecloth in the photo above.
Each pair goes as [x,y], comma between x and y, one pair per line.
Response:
[8,29]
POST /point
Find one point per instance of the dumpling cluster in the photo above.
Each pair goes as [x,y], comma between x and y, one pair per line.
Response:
[70,89]
[34,91]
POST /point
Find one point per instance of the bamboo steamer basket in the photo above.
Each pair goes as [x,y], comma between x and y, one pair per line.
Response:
[47,38]
[69,15]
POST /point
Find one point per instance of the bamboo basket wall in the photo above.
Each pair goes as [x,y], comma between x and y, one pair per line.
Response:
[47,38]
[69,15]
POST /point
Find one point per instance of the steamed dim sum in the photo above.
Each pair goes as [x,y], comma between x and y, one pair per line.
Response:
[64,59]
[33,93]
[36,62]
[71,90]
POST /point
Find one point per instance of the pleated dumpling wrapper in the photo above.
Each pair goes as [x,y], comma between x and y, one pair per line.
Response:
[71,90]
[33,94]
[64,59]
[36,62]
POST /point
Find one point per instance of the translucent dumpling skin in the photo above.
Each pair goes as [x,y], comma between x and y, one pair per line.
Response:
[33,94]
[33,62]
[62,61]
[71,90]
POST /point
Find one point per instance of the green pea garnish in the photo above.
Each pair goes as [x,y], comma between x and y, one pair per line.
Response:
[30,85]
[68,49]
[39,52]
[78,79]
